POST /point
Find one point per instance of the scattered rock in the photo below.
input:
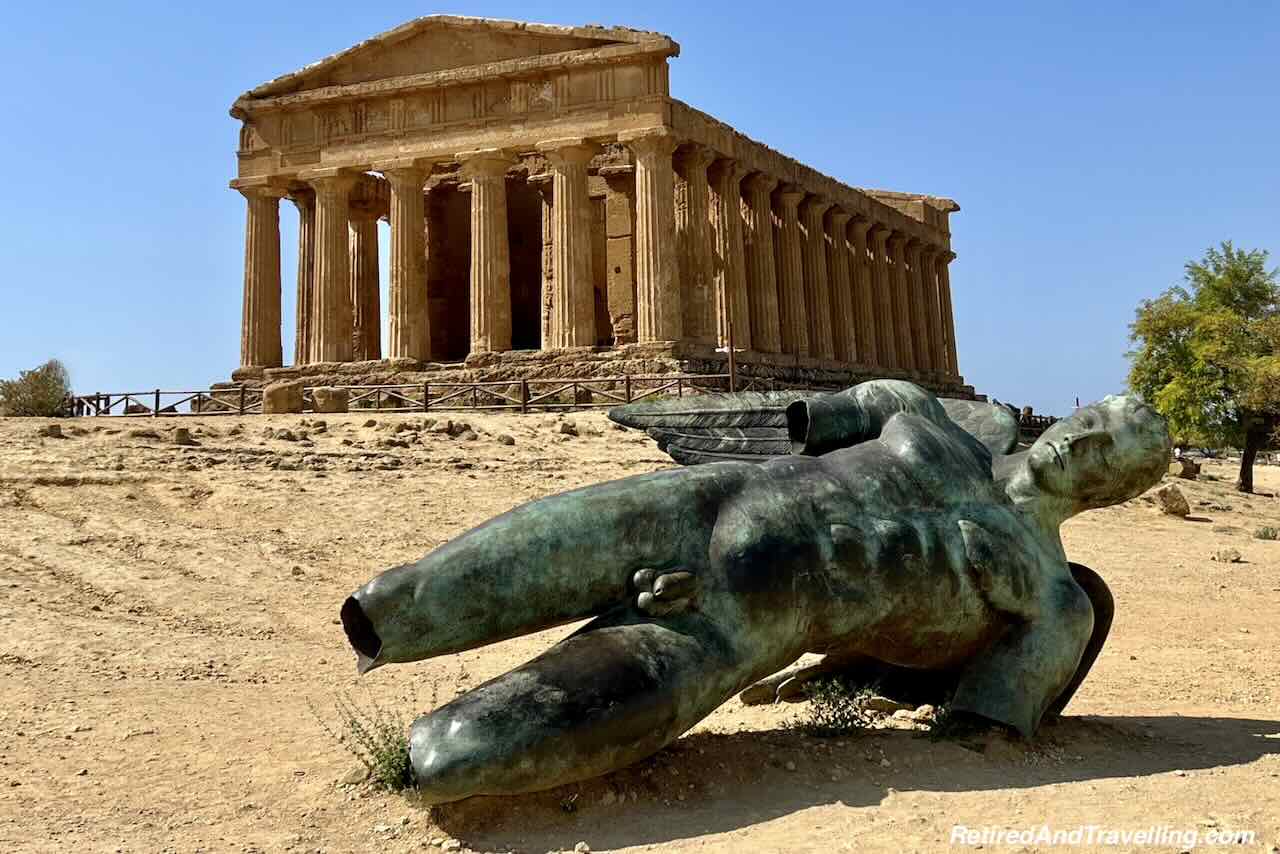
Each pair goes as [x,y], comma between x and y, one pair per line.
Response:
[50,431]
[469,436]
[282,398]
[370,423]
[1227,556]
[182,436]
[355,776]
[451,845]
[285,435]
[885,705]
[1184,468]
[568,428]
[581,847]
[790,766]
[504,439]
[142,433]
[1173,502]
[328,399]
[298,572]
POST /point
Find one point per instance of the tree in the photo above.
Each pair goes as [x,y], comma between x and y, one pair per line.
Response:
[1207,353]
[40,391]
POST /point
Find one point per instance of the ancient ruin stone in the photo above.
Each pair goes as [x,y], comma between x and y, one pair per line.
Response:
[1184,468]
[282,398]
[182,436]
[50,431]
[1227,555]
[504,439]
[1172,501]
[328,399]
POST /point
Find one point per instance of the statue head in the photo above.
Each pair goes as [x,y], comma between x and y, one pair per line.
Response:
[1102,454]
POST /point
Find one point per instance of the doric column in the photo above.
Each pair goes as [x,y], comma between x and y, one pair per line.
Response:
[305,201]
[260,318]
[948,316]
[333,313]
[882,285]
[658,314]
[864,295]
[762,283]
[844,332]
[725,176]
[490,252]
[693,234]
[817,285]
[791,301]
[901,300]
[573,311]
[408,327]
[366,317]
[933,327]
[546,193]
[916,317]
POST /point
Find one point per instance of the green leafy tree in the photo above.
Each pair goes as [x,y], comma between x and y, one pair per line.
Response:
[1207,353]
[41,391]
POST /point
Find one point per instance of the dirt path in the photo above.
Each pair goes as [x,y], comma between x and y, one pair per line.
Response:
[169,621]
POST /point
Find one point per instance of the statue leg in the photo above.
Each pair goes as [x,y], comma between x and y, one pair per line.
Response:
[1015,680]
[1104,609]
[614,692]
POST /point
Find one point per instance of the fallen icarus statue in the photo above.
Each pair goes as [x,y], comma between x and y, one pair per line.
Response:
[868,525]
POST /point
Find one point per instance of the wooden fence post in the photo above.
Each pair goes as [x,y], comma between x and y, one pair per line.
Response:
[242,400]
[524,395]
[155,410]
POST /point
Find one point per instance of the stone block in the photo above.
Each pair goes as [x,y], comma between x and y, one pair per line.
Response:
[279,398]
[328,399]
[1184,468]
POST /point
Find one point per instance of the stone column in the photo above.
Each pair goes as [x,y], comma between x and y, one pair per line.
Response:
[658,314]
[916,317]
[864,295]
[791,302]
[366,317]
[620,249]
[732,306]
[573,310]
[693,234]
[333,313]
[260,318]
[305,201]
[948,317]
[546,193]
[901,301]
[882,285]
[762,283]
[490,252]
[817,285]
[844,334]
[933,326]
[408,328]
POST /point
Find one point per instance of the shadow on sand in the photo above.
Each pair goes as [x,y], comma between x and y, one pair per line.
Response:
[716,783]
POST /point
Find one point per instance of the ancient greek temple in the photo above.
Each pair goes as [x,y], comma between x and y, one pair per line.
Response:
[546,194]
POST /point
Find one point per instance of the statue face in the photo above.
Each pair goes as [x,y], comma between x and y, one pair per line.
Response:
[1104,453]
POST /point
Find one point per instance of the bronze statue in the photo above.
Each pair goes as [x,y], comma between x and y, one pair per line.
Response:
[868,525]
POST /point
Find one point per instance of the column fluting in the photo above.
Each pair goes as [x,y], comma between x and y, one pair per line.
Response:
[366,314]
[693,235]
[332,315]
[864,295]
[882,279]
[817,284]
[573,320]
[790,257]
[732,305]
[260,315]
[762,283]
[408,324]
[658,308]
[844,330]
[490,250]
[305,201]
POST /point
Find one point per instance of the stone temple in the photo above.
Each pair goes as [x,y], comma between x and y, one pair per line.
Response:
[553,211]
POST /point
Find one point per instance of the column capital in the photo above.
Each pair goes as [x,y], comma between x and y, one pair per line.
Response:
[880,234]
[790,196]
[816,205]
[759,182]
[693,157]
[650,141]
[337,183]
[946,256]
[839,218]
[897,240]
[572,150]
[860,226]
[303,197]
[727,169]
[404,177]
[485,162]
[261,191]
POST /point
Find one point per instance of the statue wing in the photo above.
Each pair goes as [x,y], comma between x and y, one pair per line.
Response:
[748,426]
[992,424]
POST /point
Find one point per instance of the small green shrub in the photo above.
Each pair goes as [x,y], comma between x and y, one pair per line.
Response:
[377,738]
[835,708]
[1267,532]
[40,392]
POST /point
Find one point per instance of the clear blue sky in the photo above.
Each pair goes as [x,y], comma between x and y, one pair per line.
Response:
[1093,147]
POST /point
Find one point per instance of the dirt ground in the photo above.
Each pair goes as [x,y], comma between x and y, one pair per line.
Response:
[169,634]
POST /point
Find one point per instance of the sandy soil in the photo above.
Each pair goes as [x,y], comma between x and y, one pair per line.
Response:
[169,621]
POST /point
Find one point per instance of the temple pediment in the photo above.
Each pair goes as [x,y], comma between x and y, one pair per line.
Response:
[444,43]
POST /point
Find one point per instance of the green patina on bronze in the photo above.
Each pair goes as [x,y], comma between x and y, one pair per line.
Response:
[869,525]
